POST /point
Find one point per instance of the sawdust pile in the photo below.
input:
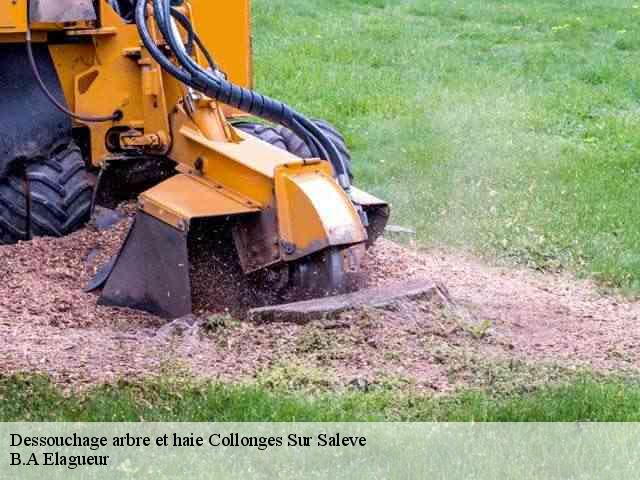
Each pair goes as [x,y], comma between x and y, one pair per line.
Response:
[48,324]
[44,280]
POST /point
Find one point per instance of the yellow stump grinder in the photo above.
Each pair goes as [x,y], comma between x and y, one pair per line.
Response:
[125,93]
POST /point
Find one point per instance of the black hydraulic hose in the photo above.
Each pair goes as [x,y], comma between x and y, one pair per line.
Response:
[116,6]
[154,51]
[114,117]
[163,13]
[235,96]
[191,36]
[184,21]
[192,74]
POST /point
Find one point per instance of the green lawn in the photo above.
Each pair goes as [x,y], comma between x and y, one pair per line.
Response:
[509,127]
[35,399]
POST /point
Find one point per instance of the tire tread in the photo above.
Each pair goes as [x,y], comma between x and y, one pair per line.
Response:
[60,197]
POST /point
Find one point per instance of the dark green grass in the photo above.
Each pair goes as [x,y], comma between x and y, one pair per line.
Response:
[35,399]
[509,127]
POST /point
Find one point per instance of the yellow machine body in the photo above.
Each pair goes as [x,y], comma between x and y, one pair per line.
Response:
[113,72]
[286,208]
[227,172]
[13,19]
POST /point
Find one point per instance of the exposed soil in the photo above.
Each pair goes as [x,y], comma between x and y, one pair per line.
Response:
[515,319]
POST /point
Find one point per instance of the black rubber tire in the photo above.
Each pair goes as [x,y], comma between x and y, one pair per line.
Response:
[296,145]
[263,132]
[285,139]
[59,198]
[60,193]
[13,210]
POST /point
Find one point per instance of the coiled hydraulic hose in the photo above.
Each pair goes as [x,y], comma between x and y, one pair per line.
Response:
[213,84]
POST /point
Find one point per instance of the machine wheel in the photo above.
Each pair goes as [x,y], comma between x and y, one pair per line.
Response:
[60,193]
[285,139]
[264,132]
[58,201]
[13,210]
[296,145]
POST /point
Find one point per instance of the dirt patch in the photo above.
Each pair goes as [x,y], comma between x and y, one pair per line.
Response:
[504,322]
[538,316]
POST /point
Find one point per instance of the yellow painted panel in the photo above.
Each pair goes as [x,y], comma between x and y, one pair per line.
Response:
[188,197]
[313,210]
[225,28]
[252,153]
[70,61]
[13,16]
